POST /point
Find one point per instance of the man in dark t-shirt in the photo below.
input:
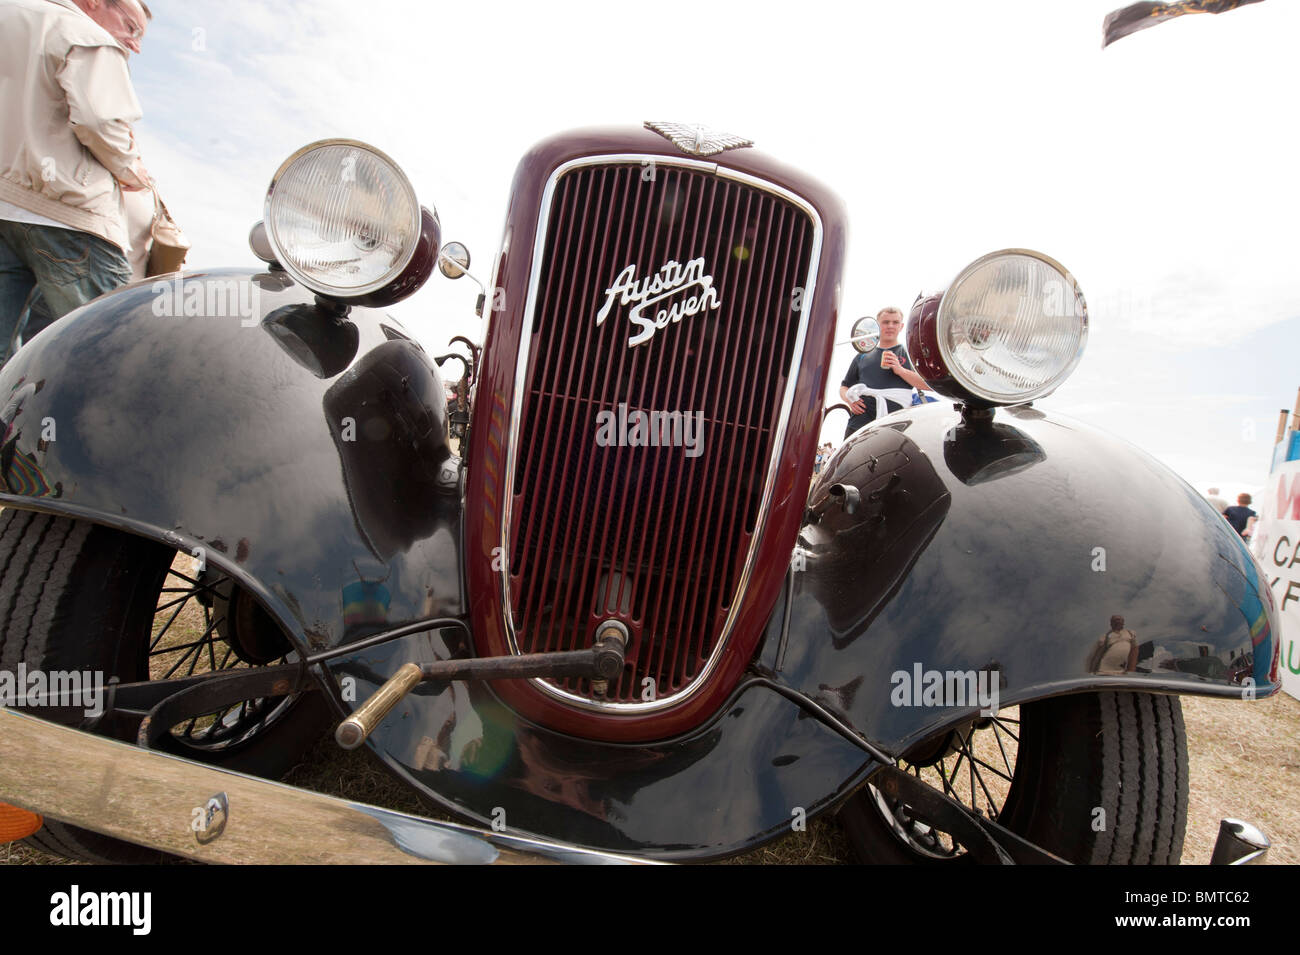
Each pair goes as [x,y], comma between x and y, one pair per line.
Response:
[1240,517]
[885,370]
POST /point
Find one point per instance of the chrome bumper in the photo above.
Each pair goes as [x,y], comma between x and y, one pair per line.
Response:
[214,815]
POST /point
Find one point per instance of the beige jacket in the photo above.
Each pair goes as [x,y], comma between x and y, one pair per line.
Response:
[139,208]
[66,109]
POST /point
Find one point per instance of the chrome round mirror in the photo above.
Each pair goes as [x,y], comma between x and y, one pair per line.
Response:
[453,260]
[865,335]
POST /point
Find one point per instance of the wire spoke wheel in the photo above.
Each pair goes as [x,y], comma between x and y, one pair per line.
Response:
[1094,778]
[193,633]
[973,765]
[76,596]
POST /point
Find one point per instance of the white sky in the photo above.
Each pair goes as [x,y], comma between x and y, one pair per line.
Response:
[1162,171]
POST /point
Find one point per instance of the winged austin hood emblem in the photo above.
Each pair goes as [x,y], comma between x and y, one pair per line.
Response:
[698,140]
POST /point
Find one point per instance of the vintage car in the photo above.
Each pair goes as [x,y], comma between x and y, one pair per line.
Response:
[593,600]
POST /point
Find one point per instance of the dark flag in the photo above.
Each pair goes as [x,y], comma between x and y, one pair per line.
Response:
[1139,16]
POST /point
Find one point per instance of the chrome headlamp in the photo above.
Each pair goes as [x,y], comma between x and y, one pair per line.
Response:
[342,219]
[1010,328]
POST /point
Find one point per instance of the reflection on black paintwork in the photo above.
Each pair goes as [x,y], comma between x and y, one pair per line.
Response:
[387,416]
[984,450]
[649,797]
[322,342]
[1237,576]
[213,427]
[1202,663]
[274,280]
[20,470]
[1116,651]
[1048,528]
[365,604]
[869,553]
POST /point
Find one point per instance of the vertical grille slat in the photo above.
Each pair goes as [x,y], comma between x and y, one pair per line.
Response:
[557,635]
[584,432]
[754,406]
[643,359]
[665,500]
[552,444]
[741,344]
[565,226]
[663,621]
[677,581]
[645,534]
[577,557]
[730,336]
[545,632]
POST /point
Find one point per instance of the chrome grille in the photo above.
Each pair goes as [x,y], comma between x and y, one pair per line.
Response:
[649,535]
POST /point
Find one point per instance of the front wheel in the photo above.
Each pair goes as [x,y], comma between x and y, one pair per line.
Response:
[78,597]
[1095,778]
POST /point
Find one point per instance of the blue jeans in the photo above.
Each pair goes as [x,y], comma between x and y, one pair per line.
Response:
[68,267]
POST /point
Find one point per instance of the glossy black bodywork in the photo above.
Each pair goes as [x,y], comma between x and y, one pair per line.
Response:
[741,779]
[973,547]
[210,412]
[1006,543]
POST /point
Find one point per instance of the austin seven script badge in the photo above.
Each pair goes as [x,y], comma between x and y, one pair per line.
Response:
[690,284]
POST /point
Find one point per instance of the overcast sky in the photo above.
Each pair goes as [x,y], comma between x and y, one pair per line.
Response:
[1161,172]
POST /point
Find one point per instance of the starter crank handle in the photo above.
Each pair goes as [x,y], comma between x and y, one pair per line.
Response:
[352,732]
[600,663]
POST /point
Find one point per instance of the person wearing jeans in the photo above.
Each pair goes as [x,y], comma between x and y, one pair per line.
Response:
[69,267]
[62,223]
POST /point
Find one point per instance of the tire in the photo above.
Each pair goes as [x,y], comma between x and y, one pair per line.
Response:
[1096,778]
[77,596]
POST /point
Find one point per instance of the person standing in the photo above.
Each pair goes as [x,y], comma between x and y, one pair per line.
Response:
[139,206]
[1218,503]
[1241,517]
[67,151]
[885,373]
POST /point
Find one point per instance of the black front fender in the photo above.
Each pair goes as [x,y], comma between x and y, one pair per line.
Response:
[1004,546]
[226,411]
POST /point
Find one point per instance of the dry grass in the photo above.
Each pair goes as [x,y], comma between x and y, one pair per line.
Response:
[16,853]
[1245,763]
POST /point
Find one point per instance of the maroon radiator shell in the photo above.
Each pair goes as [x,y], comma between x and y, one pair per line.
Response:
[487,450]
